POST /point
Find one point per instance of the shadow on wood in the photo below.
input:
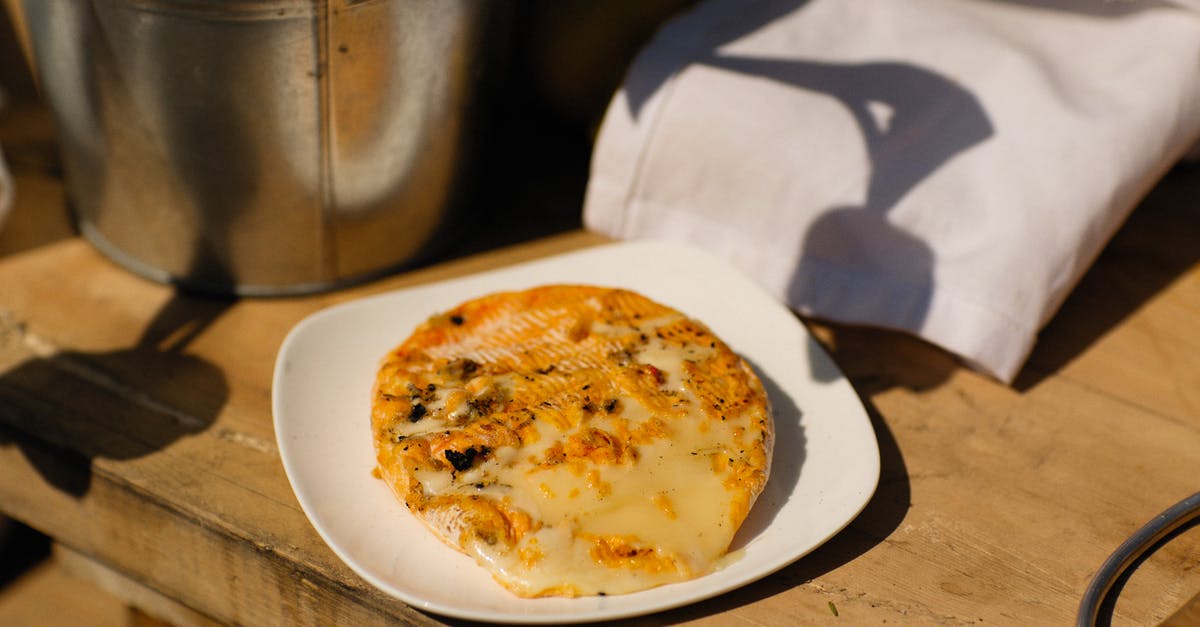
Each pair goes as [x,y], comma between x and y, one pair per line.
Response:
[131,397]
[1158,244]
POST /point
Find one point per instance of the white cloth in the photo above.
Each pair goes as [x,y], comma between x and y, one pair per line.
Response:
[944,167]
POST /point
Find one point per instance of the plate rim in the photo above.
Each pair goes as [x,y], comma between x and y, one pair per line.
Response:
[299,330]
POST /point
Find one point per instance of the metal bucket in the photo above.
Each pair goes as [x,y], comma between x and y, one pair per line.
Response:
[266,146]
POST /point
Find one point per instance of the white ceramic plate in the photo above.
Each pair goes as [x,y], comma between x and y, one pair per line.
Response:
[825,468]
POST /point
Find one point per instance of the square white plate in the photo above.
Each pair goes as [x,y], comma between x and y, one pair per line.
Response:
[825,466]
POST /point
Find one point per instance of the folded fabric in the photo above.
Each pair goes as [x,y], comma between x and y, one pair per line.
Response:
[945,167]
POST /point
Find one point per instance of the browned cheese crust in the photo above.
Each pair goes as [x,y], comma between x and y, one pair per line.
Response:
[574,440]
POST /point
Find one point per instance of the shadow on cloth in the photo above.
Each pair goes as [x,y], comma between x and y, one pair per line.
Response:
[912,120]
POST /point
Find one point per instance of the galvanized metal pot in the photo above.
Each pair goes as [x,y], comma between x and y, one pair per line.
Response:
[268,146]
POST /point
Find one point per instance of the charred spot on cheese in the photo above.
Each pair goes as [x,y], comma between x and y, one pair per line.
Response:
[462,460]
[462,368]
[574,440]
[425,393]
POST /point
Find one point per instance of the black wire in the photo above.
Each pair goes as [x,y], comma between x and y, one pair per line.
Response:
[1130,550]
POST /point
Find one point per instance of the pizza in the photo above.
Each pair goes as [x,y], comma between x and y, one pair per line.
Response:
[574,440]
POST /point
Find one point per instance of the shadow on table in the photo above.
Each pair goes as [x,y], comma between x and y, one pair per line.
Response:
[882,514]
[912,364]
[1107,610]
[1158,244]
[115,405]
[1154,248]
[786,466]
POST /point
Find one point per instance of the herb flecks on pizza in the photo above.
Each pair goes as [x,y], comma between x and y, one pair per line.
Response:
[574,440]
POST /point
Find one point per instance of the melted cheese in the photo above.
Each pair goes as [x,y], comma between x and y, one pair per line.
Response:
[627,501]
[597,455]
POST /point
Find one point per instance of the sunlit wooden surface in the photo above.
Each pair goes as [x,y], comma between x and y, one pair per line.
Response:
[136,430]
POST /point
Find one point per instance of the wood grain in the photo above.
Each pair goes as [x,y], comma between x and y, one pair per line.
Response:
[135,428]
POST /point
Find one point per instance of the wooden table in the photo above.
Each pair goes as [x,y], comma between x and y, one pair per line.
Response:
[136,430]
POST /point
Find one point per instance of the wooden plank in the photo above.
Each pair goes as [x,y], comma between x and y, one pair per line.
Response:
[48,596]
[171,448]
[921,551]
[38,215]
[145,605]
[1187,616]
[1064,469]
[236,580]
[135,427]
[1144,285]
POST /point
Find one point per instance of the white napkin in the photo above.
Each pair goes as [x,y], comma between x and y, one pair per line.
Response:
[944,167]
